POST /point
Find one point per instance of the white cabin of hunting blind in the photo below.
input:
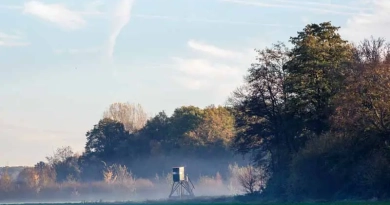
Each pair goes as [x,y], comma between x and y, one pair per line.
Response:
[178,174]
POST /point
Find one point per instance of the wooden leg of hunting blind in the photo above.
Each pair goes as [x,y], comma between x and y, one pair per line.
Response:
[182,188]
[174,188]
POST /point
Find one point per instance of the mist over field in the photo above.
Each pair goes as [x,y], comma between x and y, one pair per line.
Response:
[129,156]
[121,184]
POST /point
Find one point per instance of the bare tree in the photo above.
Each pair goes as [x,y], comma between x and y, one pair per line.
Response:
[251,179]
[60,155]
[119,174]
[132,116]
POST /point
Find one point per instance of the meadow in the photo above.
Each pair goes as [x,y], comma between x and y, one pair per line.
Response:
[212,202]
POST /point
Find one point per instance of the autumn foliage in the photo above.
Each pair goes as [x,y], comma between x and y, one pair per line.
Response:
[316,116]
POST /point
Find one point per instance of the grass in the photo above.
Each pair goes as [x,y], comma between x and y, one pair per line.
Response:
[211,201]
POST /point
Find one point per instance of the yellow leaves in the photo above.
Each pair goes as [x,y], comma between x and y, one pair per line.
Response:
[217,126]
[108,176]
[5,181]
[119,175]
[31,177]
[37,177]
[365,102]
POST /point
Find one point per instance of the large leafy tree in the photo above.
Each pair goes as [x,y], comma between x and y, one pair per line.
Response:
[107,141]
[352,159]
[183,120]
[215,129]
[155,134]
[319,60]
[259,107]
[365,100]
[288,97]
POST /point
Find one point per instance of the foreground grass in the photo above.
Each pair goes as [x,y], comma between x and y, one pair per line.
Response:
[214,203]
[222,200]
[208,202]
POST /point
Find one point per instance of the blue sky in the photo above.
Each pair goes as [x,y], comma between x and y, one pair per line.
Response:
[62,63]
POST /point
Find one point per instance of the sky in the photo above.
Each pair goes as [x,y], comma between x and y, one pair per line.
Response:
[63,62]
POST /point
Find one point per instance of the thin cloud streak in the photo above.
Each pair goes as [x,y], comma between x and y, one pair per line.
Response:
[174,18]
[120,19]
[178,19]
[261,4]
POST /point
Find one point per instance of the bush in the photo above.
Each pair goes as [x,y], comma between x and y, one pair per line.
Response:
[336,166]
[317,168]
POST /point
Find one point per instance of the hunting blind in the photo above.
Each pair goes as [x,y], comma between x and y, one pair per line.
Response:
[181,184]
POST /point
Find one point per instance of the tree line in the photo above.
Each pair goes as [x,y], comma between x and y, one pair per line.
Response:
[316,116]
[126,136]
[314,119]
[129,153]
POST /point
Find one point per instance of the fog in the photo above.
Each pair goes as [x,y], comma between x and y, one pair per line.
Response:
[147,179]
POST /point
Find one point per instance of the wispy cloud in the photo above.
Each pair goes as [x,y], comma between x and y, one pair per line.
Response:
[309,6]
[58,14]
[91,8]
[204,68]
[212,50]
[362,26]
[209,72]
[94,9]
[121,16]
[211,21]
[12,40]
